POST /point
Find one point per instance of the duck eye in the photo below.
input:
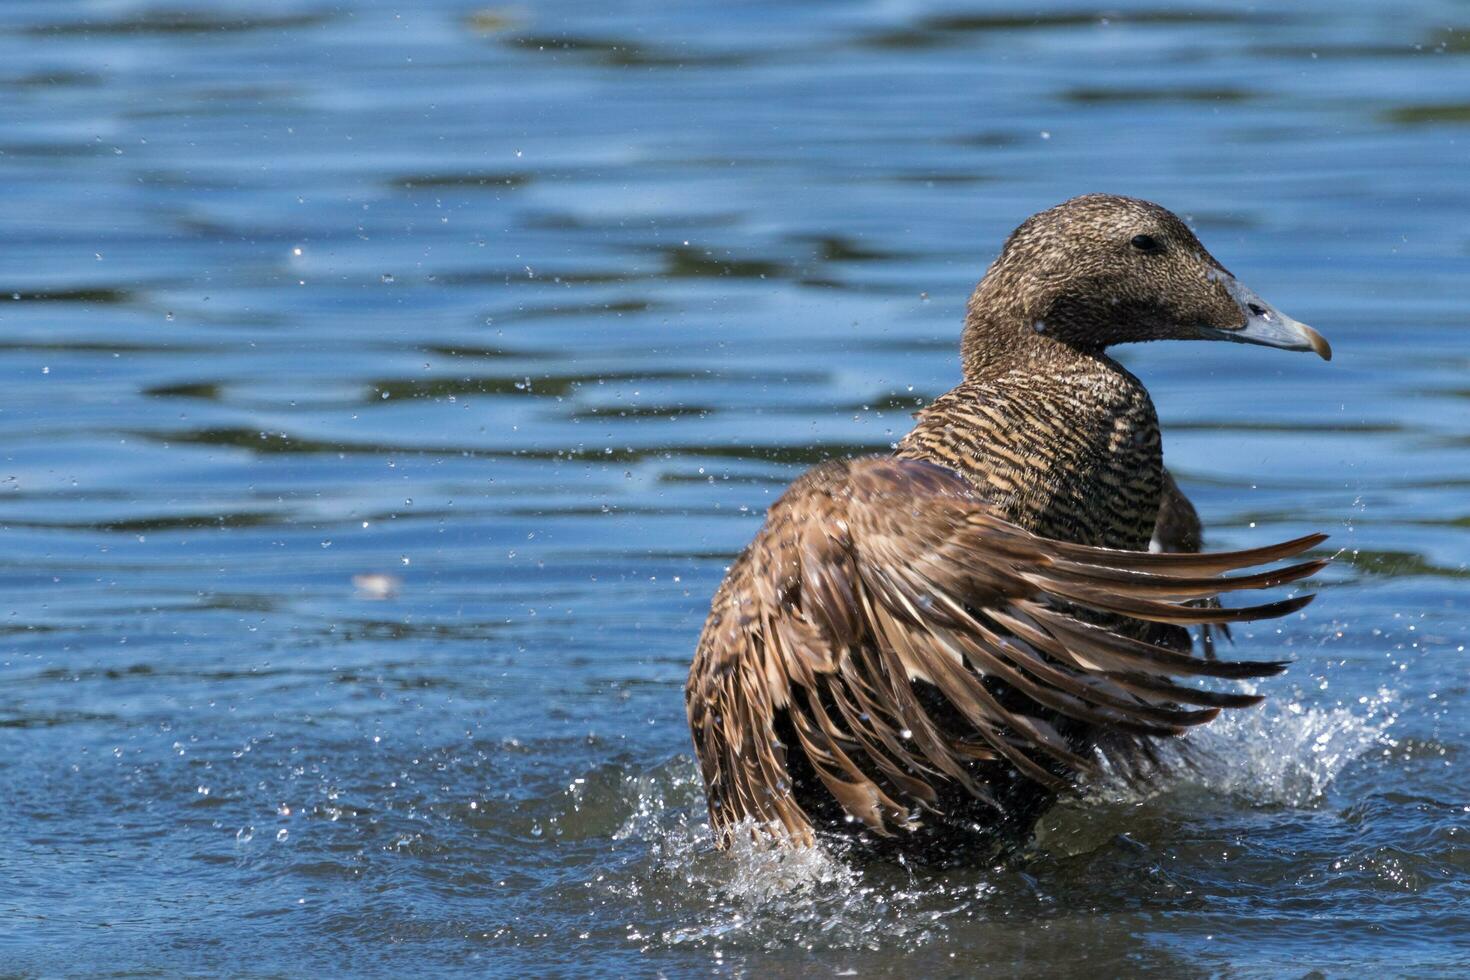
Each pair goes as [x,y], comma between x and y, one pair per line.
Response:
[1147,243]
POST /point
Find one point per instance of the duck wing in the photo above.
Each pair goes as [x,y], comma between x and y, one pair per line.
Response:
[1179,529]
[876,576]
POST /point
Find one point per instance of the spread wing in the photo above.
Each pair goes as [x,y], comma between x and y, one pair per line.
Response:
[875,574]
[1179,529]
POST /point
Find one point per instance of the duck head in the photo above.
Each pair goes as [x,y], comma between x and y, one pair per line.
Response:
[1100,270]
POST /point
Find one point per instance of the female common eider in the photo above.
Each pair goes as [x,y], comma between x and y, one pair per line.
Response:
[927,648]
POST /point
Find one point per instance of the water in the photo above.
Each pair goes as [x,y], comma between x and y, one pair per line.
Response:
[388,386]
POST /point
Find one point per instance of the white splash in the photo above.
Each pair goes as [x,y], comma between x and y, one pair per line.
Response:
[759,894]
[1283,752]
[1287,753]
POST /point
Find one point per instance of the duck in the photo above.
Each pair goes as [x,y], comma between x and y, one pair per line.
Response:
[923,652]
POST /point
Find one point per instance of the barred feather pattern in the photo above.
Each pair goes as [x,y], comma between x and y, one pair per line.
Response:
[1068,451]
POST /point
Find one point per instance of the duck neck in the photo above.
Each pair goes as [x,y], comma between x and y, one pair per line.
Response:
[995,342]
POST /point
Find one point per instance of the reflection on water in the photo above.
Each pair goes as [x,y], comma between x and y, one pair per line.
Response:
[388,389]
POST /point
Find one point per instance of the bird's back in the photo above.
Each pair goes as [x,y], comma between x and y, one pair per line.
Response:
[1073,454]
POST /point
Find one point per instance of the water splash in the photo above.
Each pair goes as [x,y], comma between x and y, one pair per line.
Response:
[1286,753]
[758,895]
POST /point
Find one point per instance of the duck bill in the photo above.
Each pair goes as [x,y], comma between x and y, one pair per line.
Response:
[1268,326]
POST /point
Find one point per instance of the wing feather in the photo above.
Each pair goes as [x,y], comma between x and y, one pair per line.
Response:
[877,579]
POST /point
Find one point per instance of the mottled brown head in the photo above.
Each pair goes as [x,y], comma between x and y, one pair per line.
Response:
[1100,270]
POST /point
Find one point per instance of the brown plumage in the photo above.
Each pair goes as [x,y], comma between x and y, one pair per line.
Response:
[928,648]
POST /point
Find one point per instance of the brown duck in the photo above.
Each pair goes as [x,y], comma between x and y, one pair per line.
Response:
[925,649]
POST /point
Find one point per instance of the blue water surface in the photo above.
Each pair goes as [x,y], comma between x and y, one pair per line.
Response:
[388,385]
